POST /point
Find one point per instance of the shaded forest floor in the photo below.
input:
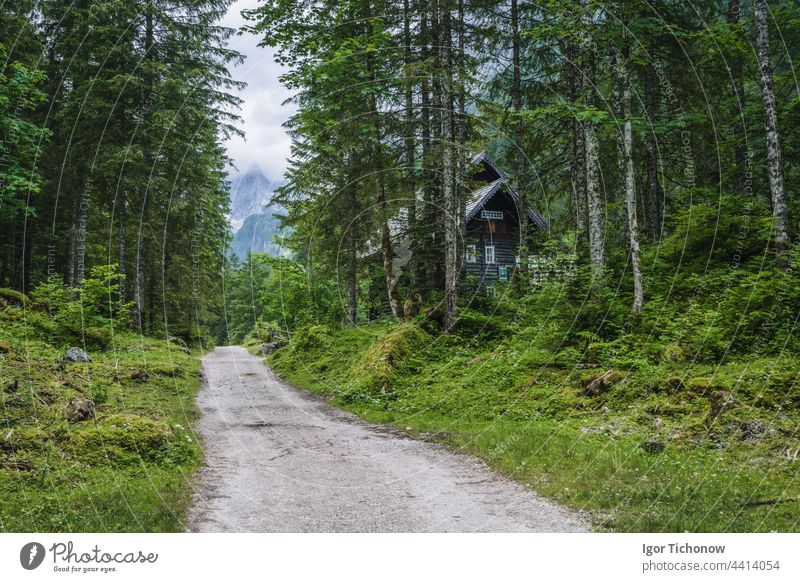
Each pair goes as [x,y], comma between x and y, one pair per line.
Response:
[130,469]
[671,446]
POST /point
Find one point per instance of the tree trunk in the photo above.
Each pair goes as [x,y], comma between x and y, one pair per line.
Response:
[438,224]
[594,201]
[739,129]
[780,215]
[138,283]
[577,145]
[630,191]
[519,156]
[123,215]
[655,195]
[594,195]
[410,131]
[425,244]
[80,209]
[377,149]
[449,195]
[461,169]
[138,277]
[352,289]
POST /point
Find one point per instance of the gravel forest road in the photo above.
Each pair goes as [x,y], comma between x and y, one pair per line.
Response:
[281,460]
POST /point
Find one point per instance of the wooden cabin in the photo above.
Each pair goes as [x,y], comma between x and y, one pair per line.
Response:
[492,223]
[492,216]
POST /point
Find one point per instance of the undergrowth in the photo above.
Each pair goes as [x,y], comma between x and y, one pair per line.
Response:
[685,418]
[129,469]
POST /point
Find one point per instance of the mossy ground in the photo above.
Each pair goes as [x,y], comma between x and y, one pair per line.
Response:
[529,414]
[127,471]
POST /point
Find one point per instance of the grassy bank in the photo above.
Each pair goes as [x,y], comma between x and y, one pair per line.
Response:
[126,471]
[587,435]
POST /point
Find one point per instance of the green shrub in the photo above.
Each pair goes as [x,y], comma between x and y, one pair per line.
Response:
[80,316]
[310,337]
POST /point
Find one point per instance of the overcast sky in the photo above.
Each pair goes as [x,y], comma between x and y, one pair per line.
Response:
[265,145]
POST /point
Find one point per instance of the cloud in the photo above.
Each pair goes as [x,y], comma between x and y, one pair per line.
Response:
[266,144]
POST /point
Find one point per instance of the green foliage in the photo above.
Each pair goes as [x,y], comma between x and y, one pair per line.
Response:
[131,467]
[512,403]
[138,105]
[268,294]
[83,316]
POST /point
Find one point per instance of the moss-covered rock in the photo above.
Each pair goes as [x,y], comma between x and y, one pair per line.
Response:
[377,368]
[12,297]
[120,439]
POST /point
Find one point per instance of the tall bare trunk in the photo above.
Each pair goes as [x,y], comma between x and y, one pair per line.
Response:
[594,195]
[123,250]
[461,139]
[438,226]
[655,195]
[80,214]
[780,214]
[449,194]
[739,128]
[386,239]
[516,103]
[352,283]
[138,278]
[138,283]
[577,147]
[630,189]
[426,241]
[409,125]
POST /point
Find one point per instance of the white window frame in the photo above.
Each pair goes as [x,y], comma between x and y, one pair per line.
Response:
[500,276]
[492,214]
[489,254]
[472,253]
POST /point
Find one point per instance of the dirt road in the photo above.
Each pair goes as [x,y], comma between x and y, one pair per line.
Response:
[281,460]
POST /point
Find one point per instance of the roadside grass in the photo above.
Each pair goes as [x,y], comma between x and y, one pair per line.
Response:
[130,469]
[531,417]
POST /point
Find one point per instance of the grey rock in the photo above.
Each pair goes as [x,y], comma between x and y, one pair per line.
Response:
[79,409]
[179,342]
[76,355]
[652,446]
[271,347]
[752,429]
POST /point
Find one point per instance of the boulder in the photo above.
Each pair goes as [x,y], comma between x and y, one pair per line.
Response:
[79,409]
[180,343]
[76,355]
[720,400]
[594,385]
[18,465]
[752,429]
[652,446]
[267,349]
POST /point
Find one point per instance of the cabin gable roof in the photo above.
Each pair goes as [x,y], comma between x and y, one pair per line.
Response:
[479,197]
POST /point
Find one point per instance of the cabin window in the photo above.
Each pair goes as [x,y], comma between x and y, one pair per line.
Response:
[472,254]
[502,272]
[492,214]
[489,254]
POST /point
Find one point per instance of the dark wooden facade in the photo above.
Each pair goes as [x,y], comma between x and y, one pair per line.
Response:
[492,224]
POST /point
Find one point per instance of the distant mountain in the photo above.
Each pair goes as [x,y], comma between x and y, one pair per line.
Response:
[250,192]
[253,223]
[256,236]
